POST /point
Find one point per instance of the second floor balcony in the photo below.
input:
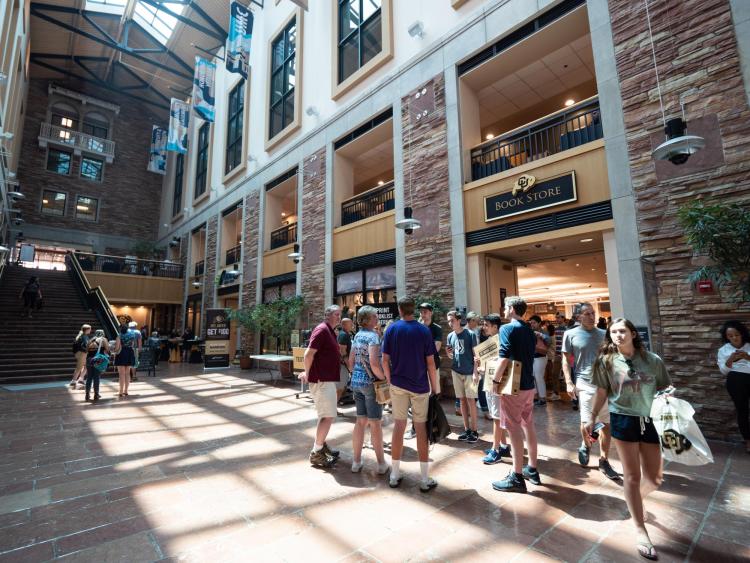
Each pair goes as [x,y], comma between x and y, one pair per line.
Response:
[76,140]
[199,268]
[368,204]
[560,131]
[232,256]
[283,236]
[128,265]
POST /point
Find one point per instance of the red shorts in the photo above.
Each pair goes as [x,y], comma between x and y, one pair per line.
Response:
[517,410]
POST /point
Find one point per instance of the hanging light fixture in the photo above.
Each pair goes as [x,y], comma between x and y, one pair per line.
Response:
[296,255]
[678,146]
[408,224]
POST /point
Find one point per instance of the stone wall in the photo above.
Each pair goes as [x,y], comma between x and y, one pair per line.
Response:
[209,277]
[429,261]
[697,59]
[180,314]
[129,196]
[250,245]
[312,236]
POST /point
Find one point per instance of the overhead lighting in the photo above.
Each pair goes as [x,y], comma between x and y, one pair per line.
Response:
[45,201]
[283,214]
[593,269]
[489,136]
[586,239]
[408,224]
[82,207]
[569,102]
[380,182]
[295,255]
[577,264]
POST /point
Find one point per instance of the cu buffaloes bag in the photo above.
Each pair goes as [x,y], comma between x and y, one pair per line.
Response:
[681,439]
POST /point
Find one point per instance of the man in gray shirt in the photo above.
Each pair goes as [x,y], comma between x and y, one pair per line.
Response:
[581,344]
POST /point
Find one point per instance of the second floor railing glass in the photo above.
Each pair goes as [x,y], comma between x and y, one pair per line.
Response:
[128,265]
[232,255]
[572,127]
[368,204]
[283,236]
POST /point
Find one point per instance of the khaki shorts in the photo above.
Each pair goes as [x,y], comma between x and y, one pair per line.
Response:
[586,393]
[401,399]
[464,386]
[324,397]
[80,360]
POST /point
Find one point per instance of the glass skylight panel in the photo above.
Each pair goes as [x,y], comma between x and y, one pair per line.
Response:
[106,6]
[156,21]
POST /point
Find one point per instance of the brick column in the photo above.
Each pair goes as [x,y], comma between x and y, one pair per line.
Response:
[209,282]
[312,236]
[180,315]
[250,261]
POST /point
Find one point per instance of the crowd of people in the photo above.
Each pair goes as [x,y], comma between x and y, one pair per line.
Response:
[609,375]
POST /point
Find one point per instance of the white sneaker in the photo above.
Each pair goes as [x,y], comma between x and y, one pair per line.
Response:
[427,485]
[356,467]
[383,468]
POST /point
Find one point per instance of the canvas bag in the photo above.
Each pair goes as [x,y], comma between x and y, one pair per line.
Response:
[681,439]
[100,361]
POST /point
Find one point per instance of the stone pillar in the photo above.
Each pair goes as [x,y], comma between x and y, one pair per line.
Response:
[179,322]
[209,276]
[248,291]
[312,236]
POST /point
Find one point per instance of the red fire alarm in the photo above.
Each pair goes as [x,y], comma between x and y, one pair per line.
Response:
[705,286]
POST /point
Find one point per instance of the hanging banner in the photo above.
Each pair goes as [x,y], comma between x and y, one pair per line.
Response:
[238,40]
[217,339]
[179,117]
[204,99]
[157,157]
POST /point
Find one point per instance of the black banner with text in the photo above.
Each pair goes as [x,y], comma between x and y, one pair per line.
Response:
[539,195]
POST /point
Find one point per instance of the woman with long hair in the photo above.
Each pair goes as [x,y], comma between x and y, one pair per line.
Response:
[734,362]
[629,376]
[80,345]
[125,357]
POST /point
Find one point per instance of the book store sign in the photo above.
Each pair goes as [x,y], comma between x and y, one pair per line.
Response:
[530,194]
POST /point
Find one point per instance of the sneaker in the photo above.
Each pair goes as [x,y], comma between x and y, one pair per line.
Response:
[72,384]
[464,436]
[513,483]
[383,468]
[410,434]
[488,450]
[554,397]
[493,456]
[583,455]
[328,451]
[532,475]
[80,386]
[395,483]
[357,467]
[427,485]
[472,437]
[504,451]
[541,403]
[321,459]
[606,468]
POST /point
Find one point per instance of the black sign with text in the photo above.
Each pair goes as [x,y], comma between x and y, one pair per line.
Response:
[546,193]
[218,331]
[386,312]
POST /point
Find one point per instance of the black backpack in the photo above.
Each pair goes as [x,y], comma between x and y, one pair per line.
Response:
[437,423]
[78,346]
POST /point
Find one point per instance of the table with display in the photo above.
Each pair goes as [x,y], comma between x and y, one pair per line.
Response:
[274,361]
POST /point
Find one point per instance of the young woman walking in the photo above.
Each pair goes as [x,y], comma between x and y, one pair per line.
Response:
[81,346]
[125,357]
[629,376]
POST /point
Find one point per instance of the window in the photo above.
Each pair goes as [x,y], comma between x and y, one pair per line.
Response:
[91,168]
[283,79]
[86,208]
[58,161]
[179,169]
[95,129]
[360,35]
[65,121]
[235,113]
[201,166]
[156,21]
[53,203]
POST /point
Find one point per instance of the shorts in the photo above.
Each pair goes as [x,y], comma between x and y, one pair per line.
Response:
[324,397]
[80,360]
[343,378]
[493,403]
[364,399]
[125,357]
[628,429]
[517,410]
[586,392]
[401,400]
[464,386]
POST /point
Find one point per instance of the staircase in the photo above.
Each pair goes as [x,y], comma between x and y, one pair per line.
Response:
[39,348]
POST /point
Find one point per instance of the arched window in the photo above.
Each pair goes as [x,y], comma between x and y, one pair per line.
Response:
[64,115]
[96,125]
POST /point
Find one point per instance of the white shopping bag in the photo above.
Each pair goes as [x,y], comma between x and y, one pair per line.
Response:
[681,439]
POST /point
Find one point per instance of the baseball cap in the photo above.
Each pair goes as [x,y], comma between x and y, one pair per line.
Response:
[426,305]
[132,324]
[471,315]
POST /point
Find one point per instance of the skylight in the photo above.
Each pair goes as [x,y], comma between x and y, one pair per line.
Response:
[106,6]
[156,21]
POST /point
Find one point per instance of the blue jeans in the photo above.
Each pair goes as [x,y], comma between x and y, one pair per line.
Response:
[92,376]
[364,399]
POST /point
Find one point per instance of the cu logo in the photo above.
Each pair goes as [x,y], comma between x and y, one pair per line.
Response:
[672,440]
[523,184]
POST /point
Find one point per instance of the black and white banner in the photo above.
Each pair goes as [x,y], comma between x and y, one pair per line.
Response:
[157,156]
[238,40]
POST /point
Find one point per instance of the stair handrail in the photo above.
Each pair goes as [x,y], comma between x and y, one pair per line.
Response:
[94,298]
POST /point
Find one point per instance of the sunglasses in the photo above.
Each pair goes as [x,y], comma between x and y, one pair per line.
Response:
[631,370]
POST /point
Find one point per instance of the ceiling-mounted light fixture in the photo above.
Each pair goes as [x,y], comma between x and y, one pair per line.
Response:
[408,223]
[296,255]
[569,102]
[196,284]
[174,242]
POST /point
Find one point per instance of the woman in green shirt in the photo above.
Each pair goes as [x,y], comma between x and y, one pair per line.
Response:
[629,376]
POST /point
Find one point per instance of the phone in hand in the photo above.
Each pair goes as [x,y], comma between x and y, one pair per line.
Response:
[595,431]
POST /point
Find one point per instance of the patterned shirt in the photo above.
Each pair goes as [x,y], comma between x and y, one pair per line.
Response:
[361,347]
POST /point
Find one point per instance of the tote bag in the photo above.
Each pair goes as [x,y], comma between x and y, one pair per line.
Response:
[681,439]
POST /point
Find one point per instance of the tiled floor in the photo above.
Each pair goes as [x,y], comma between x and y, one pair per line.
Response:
[213,467]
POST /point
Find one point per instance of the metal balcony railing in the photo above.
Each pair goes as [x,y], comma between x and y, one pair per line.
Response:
[79,142]
[283,236]
[368,204]
[574,126]
[200,267]
[128,265]
[233,255]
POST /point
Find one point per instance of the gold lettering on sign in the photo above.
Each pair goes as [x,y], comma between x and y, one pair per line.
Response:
[523,184]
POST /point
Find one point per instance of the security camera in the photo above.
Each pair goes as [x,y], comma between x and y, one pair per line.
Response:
[678,147]
[174,242]
[295,255]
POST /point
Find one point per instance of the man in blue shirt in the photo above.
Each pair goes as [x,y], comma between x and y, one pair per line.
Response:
[517,342]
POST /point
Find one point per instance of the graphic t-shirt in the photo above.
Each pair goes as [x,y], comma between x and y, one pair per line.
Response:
[128,339]
[361,346]
[517,342]
[584,345]
[408,343]
[463,351]
[631,383]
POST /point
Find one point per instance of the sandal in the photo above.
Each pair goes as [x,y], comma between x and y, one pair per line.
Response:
[647,551]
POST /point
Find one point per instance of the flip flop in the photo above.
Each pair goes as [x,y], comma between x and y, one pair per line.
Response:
[647,551]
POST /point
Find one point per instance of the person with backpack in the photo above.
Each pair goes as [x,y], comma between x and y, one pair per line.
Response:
[97,360]
[80,346]
[31,294]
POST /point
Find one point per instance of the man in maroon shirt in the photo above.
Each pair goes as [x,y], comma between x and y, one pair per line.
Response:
[322,362]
